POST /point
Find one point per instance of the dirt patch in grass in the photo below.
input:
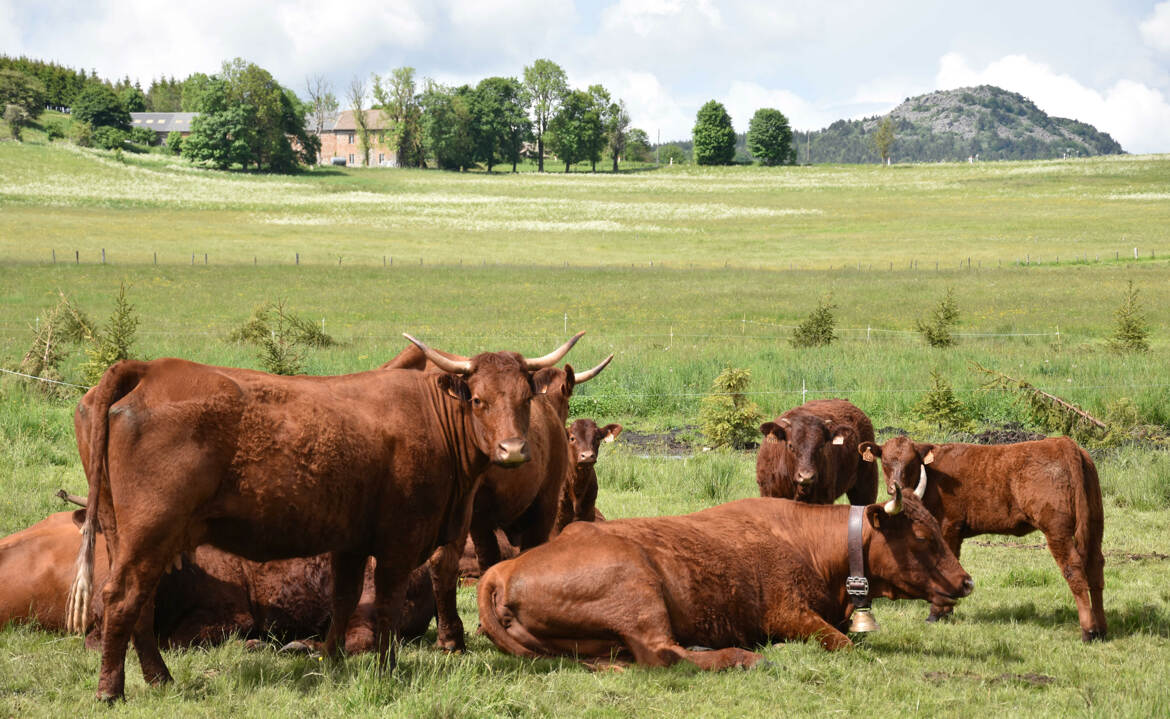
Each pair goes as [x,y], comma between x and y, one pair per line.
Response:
[673,442]
[1030,678]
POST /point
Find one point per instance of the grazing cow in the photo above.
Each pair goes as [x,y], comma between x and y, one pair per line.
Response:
[728,577]
[213,595]
[381,463]
[809,453]
[523,501]
[579,498]
[1050,485]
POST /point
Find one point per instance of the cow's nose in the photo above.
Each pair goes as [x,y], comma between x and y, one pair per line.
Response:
[805,477]
[968,586]
[511,452]
[587,458]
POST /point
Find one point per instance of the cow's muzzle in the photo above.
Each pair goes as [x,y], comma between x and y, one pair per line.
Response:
[512,452]
[806,480]
[965,589]
[586,458]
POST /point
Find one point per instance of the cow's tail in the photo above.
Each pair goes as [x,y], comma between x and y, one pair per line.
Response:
[493,614]
[118,380]
[1090,519]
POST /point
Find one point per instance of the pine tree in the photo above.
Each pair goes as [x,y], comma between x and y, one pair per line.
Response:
[1132,332]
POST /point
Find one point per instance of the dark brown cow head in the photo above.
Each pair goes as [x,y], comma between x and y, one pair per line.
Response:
[585,438]
[908,558]
[498,388]
[807,439]
[903,462]
[557,384]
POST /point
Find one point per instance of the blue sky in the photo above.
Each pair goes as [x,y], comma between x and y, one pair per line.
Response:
[1106,63]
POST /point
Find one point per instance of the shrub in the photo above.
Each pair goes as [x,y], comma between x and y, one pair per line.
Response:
[55,130]
[143,136]
[175,142]
[109,138]
[937,330]
[17,118]
[818,329]
[280,334]
[81,133]
[726,415]
[1132,332]
[113,342]
[940,407]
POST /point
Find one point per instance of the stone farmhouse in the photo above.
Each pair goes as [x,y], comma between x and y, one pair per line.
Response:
[339,141]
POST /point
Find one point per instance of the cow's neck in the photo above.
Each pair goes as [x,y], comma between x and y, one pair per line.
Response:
[458,433]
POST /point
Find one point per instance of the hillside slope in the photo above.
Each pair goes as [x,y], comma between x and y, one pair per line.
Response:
[983,121]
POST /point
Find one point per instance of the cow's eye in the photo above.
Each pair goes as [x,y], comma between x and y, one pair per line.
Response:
[476,402]
[573,440]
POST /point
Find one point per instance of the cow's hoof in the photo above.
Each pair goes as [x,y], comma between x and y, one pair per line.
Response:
[931,619]
[451,646]
[1092,636]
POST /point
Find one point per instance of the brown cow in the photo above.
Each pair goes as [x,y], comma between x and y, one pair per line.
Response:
[381,463]
[213,596]
[732,576]
[579,497]
[1015,489]
[809,453]
[523,501]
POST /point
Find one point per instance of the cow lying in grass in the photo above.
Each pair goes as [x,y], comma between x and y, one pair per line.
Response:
[213,596]
[1050,485]
[729,577]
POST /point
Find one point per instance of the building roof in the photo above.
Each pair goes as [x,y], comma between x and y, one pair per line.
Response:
[343,121]
[163,121]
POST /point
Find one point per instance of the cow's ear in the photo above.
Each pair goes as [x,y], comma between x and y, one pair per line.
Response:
[772,430]
[926,451]
[455,386]
[611,432]
[79,517]
[869,451]
[874,514]
[542,380]
[840,433]
[570,380]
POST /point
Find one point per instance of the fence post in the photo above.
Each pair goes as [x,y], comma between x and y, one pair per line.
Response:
[1134,253]
[803,392]
[204,258]
[867,333]
[156,259]
[54,257]
[104,255]
[566,323]
[298,258]
[77,257]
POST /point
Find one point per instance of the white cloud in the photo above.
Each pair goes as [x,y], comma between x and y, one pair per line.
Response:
[644,17]
[744,98]
[1135,115]
[653,107]
[1155,29]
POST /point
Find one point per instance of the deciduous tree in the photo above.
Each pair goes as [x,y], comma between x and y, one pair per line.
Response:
[99,106]
[500,119]
[356,95]
[883,139]
[399,102]
[545,85]
[769,137]
[714,137]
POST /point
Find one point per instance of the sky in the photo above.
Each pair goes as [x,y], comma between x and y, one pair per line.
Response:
[1101,62]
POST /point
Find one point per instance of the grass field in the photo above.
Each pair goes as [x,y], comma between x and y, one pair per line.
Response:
[739,256]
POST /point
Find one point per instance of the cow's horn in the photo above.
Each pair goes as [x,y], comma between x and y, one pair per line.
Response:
[591,373]
[553,357]
[894,506]
[920,490]
[444,363]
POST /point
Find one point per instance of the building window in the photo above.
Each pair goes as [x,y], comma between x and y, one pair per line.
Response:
[351,138]
[381,159]
[351,158]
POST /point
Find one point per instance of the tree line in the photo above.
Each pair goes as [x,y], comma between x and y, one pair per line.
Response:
[246,119]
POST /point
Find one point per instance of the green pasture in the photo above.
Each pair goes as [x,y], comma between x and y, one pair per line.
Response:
[740,255]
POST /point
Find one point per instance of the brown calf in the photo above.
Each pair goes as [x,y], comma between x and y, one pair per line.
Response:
[728,577]
[809,453]
[579,497]
[1015,489]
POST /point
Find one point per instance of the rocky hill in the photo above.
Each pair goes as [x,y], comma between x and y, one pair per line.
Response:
[985,121]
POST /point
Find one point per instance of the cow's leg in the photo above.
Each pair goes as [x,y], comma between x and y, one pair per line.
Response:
[348,576]
[487,548]
[1072,566]
[390,582]
[1096,574]
[804,624]
[126,593]
[539,519]
[444,568]
[154,670]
